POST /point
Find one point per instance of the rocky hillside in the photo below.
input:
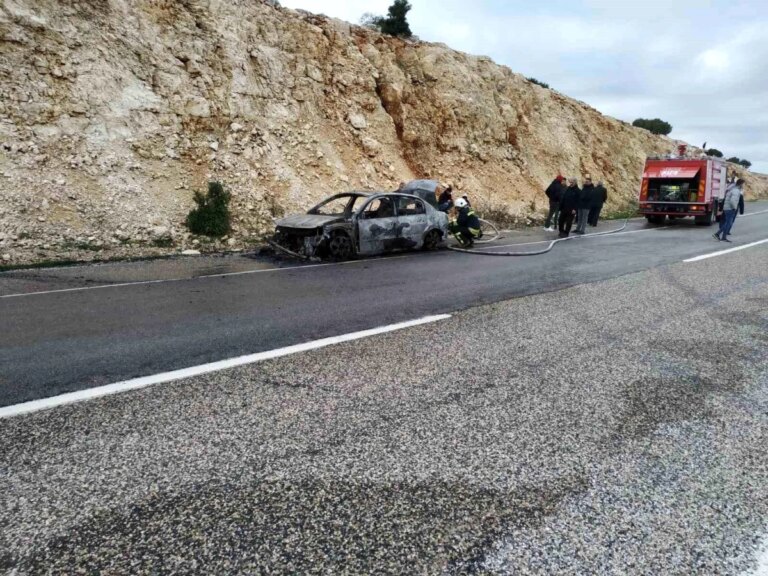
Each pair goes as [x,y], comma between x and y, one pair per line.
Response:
[112,112]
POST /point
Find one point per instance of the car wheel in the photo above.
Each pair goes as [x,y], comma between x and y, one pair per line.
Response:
[432,240]
[340,246]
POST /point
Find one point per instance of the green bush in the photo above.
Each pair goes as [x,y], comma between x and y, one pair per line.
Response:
[538,82]
[714,152]
[739,161]
[656,126]
[395,23]
[211,217]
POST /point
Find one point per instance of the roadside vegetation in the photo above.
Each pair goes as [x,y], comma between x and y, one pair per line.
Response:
[212,216]
[538,82]
[655,126]
[395,23]
[733,159]
[740,161]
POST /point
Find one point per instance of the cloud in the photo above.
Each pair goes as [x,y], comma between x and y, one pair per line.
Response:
[698,65]
[713,61]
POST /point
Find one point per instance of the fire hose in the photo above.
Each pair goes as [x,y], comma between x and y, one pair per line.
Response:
[542,251]
[497,235]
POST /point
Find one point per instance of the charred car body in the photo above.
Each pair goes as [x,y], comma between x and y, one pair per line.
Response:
[363,224]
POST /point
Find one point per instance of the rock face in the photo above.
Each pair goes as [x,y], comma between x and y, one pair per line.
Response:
[112,112]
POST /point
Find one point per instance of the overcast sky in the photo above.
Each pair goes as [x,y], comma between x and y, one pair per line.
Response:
[701,65]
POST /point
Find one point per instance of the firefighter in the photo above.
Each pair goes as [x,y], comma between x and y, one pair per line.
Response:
[466,227]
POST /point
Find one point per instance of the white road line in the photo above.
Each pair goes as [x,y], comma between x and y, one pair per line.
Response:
[721,252]
[143,382]
[146,282]
[585,236]
[753,214]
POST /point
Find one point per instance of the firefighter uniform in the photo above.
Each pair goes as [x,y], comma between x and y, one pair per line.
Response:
[466,228]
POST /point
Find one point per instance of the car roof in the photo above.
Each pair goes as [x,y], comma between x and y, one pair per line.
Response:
[354,193]
[427,185]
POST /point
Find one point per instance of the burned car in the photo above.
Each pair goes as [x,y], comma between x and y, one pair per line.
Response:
[362,224]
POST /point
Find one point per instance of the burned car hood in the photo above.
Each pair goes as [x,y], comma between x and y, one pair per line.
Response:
[307,221]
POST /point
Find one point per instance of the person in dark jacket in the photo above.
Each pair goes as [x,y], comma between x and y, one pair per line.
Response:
[569,202]
[584,204]
[445,201]
[741,207]
[554,192]
[466,228]
[599,198]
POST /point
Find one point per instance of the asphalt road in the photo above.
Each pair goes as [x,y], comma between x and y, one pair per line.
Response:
[58,334]
[615,427]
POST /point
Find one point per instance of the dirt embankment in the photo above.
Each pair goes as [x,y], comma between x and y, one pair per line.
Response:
[113,111]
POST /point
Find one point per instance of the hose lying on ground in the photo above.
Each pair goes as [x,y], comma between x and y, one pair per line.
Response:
[538,252]
[490,234]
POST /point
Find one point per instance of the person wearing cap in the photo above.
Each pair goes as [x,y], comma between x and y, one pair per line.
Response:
[466,227]
[554,192]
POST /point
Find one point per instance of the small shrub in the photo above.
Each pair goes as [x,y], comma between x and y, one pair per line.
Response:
[734,160]
[714,152]
[655,126]
[538,82]
[211,217]
[497,214]
[745,163]
[395,23]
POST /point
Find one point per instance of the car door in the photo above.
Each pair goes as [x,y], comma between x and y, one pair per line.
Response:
[412,221]
[377,226]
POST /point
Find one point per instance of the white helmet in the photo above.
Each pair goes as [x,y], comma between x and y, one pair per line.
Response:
[461,203]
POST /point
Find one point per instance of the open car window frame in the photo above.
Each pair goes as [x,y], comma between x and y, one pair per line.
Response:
[404,202]
[349,206]
[366,213]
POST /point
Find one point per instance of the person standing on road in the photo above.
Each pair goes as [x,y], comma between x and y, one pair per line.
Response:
[599,198]
[569,202]
[584,204]
[730,207]
[554,193]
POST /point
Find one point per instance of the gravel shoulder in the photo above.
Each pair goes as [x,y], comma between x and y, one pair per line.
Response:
[610,428]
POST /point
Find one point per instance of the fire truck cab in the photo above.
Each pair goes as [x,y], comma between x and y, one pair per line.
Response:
[680,186]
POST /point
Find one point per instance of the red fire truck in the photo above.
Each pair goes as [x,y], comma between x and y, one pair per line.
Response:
[679,186]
